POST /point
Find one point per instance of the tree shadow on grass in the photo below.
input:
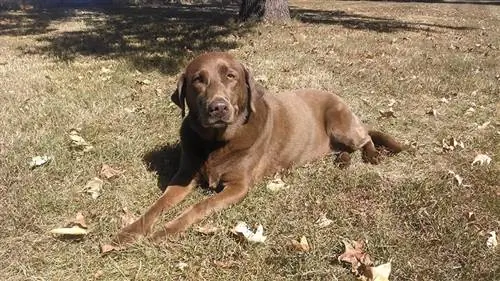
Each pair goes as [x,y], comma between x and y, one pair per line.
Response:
[151,38]
[362,22]
[31,22]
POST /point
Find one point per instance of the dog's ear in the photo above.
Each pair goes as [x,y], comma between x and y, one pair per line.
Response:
[178,97]
[253,91]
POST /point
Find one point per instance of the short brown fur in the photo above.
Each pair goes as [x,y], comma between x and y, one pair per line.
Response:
[234,134]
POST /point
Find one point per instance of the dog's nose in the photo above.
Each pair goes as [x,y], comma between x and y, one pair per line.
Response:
[218,108]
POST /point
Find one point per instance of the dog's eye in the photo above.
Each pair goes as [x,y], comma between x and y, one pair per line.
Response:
[231,76]
[197,79]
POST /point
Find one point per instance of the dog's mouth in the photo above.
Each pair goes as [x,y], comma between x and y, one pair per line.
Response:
[211,122]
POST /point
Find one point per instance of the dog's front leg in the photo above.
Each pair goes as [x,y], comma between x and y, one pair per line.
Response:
[231,194]
[142,226]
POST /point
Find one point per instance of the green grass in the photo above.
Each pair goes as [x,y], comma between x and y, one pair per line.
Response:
[408,208]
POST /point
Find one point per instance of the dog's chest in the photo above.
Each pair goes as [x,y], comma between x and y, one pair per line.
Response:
[217,166]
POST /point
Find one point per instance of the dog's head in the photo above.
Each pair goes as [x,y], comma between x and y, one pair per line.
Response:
[217,89]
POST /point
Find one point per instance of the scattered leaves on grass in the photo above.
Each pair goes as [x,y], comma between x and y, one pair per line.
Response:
[456,177]
[492,240]
[323,221]
[94,187]
[481,159]
[241,229]
[207,229]
[38,161]
[109,172]
[451,144]
[77,227]
[387,113]
[302,245]
[79,143]
[355,255]
[276,184]
[377,273]
[362,264]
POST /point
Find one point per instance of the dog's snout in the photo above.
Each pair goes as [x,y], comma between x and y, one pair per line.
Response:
[218,108]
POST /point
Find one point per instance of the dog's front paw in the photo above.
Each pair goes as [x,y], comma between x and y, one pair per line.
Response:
[129,234]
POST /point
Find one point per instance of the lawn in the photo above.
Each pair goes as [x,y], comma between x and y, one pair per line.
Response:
[108,74]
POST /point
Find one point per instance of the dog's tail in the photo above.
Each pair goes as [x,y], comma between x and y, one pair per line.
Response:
[385,140]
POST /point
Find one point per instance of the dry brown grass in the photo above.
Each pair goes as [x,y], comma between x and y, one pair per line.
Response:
[408,209]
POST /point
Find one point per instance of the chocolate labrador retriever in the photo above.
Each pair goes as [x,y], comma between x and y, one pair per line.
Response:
[234,134]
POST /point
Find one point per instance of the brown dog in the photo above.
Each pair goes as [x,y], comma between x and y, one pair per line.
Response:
[234,135]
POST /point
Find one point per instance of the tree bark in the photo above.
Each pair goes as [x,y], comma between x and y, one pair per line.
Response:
[269,10]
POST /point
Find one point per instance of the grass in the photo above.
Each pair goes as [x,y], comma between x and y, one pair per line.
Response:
[408,209]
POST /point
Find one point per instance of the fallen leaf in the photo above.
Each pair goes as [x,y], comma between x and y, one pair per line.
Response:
[80,220]
[94,187]
[492,240]
[242,229]
[74,230]
[181,265]
[456,177]
[323,221]
[206,229]
[77,142]
[377,273]
[127,217]
[276,184]
[481,159]
[108,172]
[484,125]
[302,245]
[38,161]
[76,227]
[387,113]
[107,248]
[355,255]
[391,102]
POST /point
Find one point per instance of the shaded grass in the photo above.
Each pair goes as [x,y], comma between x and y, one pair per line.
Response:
[408,209]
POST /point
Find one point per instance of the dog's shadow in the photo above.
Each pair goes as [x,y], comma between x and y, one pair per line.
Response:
[164,160]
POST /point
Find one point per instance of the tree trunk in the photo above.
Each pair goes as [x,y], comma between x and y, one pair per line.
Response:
[269,10]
